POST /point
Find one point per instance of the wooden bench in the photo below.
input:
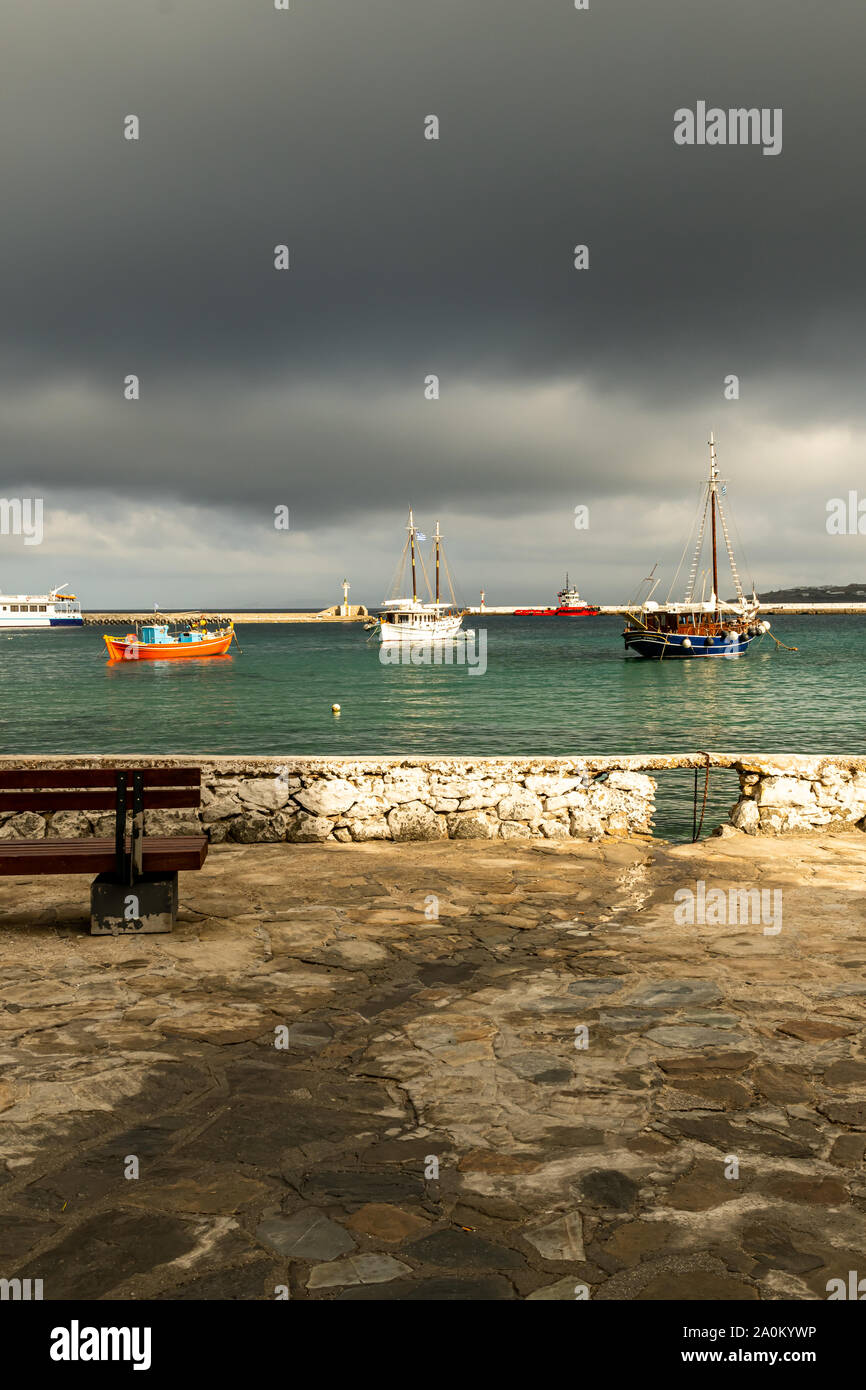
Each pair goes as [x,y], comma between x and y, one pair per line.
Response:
[136,887]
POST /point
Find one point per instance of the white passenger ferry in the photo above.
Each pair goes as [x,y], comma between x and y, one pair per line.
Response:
[39,610]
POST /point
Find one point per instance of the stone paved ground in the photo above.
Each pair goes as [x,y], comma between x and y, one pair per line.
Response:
[413,1038]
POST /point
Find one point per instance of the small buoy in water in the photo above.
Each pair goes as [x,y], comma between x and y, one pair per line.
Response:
[335,709]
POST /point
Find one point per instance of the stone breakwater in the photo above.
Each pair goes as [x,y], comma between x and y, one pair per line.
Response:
[352,800]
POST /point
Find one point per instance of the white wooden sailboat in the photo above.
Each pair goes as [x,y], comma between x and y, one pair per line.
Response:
[405,619]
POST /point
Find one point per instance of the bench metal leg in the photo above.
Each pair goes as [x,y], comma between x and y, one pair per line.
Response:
[119,908]
[135,870]
[120,825]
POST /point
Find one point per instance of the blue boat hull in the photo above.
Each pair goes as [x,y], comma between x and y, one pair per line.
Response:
[660,646]
[65,622]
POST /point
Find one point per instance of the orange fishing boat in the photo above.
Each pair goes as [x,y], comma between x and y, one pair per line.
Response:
[156,643]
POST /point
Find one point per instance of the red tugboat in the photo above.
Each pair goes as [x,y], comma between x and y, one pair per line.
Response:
[570,606]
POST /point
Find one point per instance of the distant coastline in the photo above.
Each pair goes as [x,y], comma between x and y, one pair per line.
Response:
[817,594]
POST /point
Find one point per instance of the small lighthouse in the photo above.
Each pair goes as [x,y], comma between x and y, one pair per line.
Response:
[344,609]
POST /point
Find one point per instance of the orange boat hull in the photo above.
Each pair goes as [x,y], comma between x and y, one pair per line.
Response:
[119,649]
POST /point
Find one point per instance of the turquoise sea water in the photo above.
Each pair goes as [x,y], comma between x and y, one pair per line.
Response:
[551,687]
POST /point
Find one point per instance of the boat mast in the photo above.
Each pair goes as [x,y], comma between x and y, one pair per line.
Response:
[437,539]
[713,475]
[412,554]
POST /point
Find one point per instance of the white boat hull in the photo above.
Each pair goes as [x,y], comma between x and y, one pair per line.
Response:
[27,611]
[420,629]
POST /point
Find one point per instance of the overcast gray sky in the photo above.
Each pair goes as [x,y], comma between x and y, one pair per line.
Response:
[305,388]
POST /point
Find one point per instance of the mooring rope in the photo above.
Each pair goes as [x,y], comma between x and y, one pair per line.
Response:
[697,828]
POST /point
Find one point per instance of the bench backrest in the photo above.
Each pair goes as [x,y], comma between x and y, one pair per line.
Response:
[95,789]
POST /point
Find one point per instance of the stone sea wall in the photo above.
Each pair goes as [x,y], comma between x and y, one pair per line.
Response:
[800,795]
[260,800]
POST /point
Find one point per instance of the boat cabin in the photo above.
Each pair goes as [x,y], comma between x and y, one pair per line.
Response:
[404,610]
[158,635]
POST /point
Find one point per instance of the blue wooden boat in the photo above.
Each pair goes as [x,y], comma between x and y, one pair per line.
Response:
[708,629]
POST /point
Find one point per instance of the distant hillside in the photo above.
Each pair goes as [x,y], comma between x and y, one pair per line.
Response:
[817,593]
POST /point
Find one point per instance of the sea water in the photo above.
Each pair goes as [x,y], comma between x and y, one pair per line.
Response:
[551,686]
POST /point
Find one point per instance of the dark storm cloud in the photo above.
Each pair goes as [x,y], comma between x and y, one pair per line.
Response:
[411,256]
[557,127]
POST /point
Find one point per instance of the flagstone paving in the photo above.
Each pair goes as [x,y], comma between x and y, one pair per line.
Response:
[449,1070]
